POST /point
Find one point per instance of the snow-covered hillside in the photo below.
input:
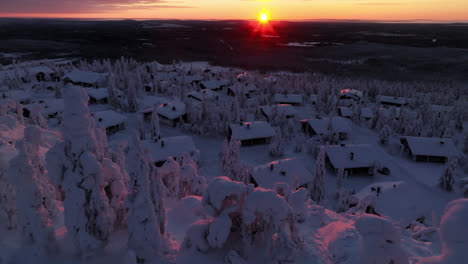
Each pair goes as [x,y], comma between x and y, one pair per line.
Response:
[129,162]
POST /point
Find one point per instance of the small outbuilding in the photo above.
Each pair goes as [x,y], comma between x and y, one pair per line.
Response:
[110,120]
[250,133]
[214,85]
[429,149]
[163,148]
[272,111]
[245,89]
[320,127]
[292,99]
[84,79]
[393,101]
[290,171]
[351,94]
[98,96]
[172,113]
[354,159]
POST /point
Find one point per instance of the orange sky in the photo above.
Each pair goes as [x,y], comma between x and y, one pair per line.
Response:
[450,10]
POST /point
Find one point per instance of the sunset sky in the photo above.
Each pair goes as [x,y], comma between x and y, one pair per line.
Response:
[450,10]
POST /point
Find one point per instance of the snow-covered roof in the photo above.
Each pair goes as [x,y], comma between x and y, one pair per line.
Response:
[172,110]
[367,112]
[398,200]
[98,94]
[173,147]
[49,106]
[435,147]
[393,100]
[286,109]
[244,76]
[203,94]
[108,118]
[244,88]
[345,111]
[40,69]
[78,76]
[166,76]
[252,130]
[214,84]
[190,78]
[18,95]
[270,79]
[441,108]
[353,93]
[288,98]
[353,156]
[320,126]
[290,171]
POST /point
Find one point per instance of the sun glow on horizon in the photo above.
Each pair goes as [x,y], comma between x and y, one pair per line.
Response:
[264,16]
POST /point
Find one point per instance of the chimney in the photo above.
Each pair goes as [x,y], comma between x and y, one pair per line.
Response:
[442,142]
[351,155]
[272,166]
[283,172]
[248,126]
[173,108]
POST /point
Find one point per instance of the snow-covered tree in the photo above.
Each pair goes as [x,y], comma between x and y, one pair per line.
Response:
[144,231]
[250,221]
[80,168]
[447,179]
[232,166]
[317,188]
[170,176]
[132,92]
[8,216]
[36,117]
[384,134]
[453,235]
[35,196]
[341,177]
[276,148]
[19,112]
[380,242]
[155,124]
[141,127]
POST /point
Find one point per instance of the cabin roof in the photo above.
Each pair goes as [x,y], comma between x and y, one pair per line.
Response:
[172,110]
[288,98]
[78,76]
[286,109]
[108,118]
[363,156]
[290,171]
[320,126]
[435,147]
[252,130]
[98,94]
[173,147]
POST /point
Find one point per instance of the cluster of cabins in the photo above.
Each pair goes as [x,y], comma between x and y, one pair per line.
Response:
[353,158]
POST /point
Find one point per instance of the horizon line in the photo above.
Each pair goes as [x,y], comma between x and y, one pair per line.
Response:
[422,21]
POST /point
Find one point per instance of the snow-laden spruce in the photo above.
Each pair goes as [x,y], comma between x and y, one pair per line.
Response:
[145,204]
[232,166]
[317,187]
[257,224]
[35,196]
[93,186]
[453,234]
[380,241]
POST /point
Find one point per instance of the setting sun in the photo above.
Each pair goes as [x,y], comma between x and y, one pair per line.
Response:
[263,17]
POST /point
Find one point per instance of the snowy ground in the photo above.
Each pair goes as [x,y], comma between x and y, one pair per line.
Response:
[411,191]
